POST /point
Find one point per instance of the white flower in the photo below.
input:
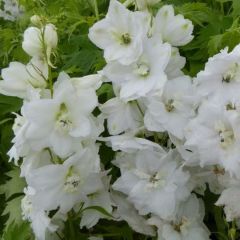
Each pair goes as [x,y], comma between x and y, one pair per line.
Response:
[230,200]
[63,121]
[90,217]
[40,222]
[20,79]
[40,42]
[172,110]
[126,211]
[214,133]
[173,29]
[120,33]
[121,116]
[221,74]
[176,63]
[144,76]
[157,185]
[66,184]
[34,160]
[187,225]
[130,144]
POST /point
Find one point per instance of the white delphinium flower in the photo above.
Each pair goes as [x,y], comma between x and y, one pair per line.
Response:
[19,79]
[40,41]
[214,133]
[221,73]
[11,10]
[120,33]
[40,222]
[121,116]
[64,185]
[175,30]
[157,185]
[127,212]
[146,4]
[34,160]
[20,147]
[63,121]
[188,224]
[144,76]
[130,144]
[214,176]
[176,63]
[90,217]
[172,110]
[230,200]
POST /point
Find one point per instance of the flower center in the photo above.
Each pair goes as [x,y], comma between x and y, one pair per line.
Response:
[142,69]
[169,105]
[126,39]
[27,208]
[178,226]
[232,74]
[226,135]
[217,170]
[63,121]
[230,106]
[72,183]
[157,179]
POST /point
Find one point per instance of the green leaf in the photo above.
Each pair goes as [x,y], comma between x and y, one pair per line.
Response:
[9,104]
[15,185]
[99,209]
[199,13]
[13,210]
[17,232]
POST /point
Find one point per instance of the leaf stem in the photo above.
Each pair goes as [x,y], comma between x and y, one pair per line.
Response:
[96,9]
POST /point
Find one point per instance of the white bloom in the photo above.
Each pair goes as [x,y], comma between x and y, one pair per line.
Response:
[121,116]
[230,200]
[173,29]
[176,63]
[221,73]
[66,184]
[20,79]
[34,160]
[90,217]
[144,76]
[40,222]
[126,211]
[128,143]
[157,185]
[214,133]
[63,121]
[172,110]
[120,33]
[187,225]
[40,42]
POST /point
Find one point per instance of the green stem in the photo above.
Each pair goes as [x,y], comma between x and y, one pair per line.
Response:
[71,228]
[96,9]
[50,80]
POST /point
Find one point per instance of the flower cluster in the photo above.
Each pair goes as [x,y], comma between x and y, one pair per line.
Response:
[10,9]
[173,135]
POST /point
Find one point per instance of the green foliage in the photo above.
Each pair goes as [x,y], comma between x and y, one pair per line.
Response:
[17,232]
[14,185]
[13,210]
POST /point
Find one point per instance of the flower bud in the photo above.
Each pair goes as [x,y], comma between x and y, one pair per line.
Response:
[36,20]
[32,42]
[50,36]
[144,4]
